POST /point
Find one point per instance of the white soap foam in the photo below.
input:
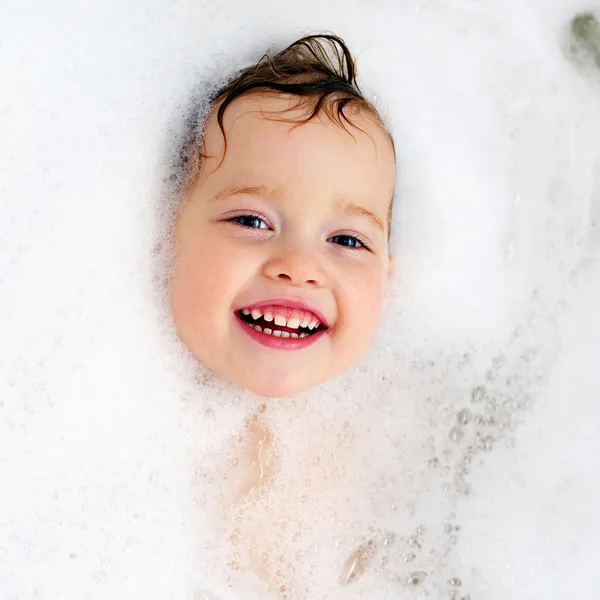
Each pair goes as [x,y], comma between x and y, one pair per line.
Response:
[530,530]
[116,448]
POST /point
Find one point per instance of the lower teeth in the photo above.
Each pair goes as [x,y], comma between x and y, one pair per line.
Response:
[278,332]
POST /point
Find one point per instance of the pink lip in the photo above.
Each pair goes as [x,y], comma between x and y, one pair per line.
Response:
[288,304]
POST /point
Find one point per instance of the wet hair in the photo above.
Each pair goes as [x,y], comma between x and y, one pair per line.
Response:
[317,69]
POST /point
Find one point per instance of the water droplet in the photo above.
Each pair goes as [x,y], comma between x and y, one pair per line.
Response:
[296,537]
[477,394]
[357,562]
[420,530]
[416,578]
[455,434]
[410,557]
[262,408]
[299,555]
[464,416]
[264,557]
[233,539]
[455,581]
[485,443]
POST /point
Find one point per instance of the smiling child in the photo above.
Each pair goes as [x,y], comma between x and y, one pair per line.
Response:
[281,239]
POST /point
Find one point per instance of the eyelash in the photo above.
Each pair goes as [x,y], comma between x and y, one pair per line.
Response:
[357,238]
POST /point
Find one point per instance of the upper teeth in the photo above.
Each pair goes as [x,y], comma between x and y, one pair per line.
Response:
[299,319]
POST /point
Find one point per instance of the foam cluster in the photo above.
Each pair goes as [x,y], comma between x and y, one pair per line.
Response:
[454,461]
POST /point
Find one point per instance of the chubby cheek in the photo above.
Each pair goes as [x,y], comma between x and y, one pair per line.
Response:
[207,276]
[194,293]
[360,305]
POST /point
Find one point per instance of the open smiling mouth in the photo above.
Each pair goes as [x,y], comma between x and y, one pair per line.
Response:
[280,326]
[296,327]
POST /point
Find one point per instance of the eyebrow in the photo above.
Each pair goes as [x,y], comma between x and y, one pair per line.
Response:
[356,210]
[254,190]
[262,191]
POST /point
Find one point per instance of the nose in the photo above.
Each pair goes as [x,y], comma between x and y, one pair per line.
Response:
[295,267]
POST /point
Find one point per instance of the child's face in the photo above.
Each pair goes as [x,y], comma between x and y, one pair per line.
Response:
[277,222]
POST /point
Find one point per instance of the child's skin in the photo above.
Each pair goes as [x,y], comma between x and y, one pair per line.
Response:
[259,542]
[285,216]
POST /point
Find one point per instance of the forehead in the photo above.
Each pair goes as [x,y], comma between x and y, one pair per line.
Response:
[266,144]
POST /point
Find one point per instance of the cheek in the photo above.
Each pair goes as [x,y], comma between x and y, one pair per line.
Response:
[208,273]
[362,303]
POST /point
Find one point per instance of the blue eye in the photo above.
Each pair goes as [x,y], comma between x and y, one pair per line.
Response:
[349,241]
[250,221]
[254,221]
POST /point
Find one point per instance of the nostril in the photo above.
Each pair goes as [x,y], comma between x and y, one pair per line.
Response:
[286,277]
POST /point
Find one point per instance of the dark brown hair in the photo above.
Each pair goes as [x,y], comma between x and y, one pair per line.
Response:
[318,69]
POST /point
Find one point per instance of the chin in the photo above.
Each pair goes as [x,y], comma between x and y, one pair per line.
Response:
[275,388]
[272,390]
